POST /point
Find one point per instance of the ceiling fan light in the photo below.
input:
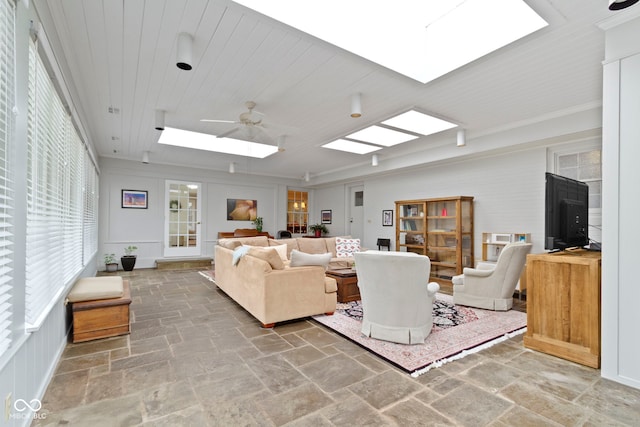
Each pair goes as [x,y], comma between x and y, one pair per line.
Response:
[356,106]
[306,176]
[281,143]
[232,167]
[185,52]
[621,4]
[145,157]
[159,119]
[374,160]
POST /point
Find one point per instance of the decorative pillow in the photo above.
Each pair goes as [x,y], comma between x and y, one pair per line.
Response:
[229,243]
[238,253]
[282,251]
[346,247]
[268,254]
[299,259]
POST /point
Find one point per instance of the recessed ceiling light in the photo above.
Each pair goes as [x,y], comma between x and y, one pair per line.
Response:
[423,124]
[421,39]
[203,141]
[351,146]
[381,136]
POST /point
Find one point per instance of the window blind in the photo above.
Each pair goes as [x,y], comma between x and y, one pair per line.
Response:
[55,196]
[7,83]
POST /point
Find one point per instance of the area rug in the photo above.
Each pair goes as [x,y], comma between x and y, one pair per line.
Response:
[209,274]
[457,332]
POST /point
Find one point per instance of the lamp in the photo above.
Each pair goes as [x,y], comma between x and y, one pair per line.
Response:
[621,4]
[461,140]
[145,157]
[356,106]
[374,160]
[306,176]
[232,167]
[185,51]
[159,119]
[281,143]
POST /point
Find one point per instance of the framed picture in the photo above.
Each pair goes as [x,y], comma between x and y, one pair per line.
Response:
[387,218]
[242,210]
[325,217]
[134,199]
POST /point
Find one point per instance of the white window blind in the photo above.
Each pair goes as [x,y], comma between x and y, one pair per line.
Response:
[90,193]
[55,198]
[7,83]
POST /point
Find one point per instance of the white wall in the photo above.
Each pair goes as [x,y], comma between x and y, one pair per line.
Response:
[621,234]
[144,228]
[508,191]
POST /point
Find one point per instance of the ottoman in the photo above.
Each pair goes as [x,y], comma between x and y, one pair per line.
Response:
[100,308]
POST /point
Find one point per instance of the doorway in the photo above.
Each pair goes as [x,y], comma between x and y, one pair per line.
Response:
[356,212]
[182,219]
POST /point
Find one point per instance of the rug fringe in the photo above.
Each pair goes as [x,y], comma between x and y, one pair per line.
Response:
[464,353]
[211,279]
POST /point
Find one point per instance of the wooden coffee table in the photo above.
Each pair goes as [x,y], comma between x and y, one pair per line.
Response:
[347,281]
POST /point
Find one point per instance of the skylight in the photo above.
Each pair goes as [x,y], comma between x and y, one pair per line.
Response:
[419,123]
[351,146]
[203,141]
[418,38]
[381,136]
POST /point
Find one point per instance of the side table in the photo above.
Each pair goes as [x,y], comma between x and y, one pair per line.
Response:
[347,281]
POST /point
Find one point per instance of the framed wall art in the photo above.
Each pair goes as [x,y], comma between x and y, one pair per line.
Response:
[325,217]
[387,218]
[135,199]
[242,210]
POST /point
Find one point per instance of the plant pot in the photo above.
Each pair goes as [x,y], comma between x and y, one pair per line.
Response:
[317,233]
[112,267]
[128,262]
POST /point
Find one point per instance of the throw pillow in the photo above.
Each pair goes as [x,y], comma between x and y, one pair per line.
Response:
[282,251]
[267,254]
[299,259]
[238,253]
[346,247]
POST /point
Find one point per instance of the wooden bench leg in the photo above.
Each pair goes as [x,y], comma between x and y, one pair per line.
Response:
[268,325]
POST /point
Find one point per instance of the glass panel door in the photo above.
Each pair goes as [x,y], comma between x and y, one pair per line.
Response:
[182,219]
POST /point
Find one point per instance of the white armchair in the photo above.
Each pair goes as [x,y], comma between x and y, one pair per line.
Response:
[397,300]
[491,286]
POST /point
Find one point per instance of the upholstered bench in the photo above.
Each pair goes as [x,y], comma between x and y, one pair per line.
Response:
[100,307]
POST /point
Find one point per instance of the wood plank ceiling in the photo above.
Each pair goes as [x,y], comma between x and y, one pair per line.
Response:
[121,54]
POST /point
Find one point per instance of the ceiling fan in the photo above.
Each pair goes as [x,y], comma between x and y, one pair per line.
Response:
[250,122]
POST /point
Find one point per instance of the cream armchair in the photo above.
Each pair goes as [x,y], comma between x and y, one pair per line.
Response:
[397,301]
[491,286]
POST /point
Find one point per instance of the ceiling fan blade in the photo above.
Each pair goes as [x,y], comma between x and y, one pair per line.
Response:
[218,121]
[229,132]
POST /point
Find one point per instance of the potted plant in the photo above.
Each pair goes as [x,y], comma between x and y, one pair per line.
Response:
[110,262]
[128,260]
[258,223]
[319,229]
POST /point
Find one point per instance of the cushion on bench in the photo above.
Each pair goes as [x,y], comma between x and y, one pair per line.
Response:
[95,288]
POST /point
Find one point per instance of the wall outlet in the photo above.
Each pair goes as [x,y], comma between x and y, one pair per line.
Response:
[8,402]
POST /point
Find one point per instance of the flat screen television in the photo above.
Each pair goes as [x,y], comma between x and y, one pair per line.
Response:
[566,212]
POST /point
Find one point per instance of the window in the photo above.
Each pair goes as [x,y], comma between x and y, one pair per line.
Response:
[297,212]
[583,161]
[7,82]
[61,196]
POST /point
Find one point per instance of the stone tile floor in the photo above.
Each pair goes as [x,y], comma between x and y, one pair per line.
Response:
[195,358]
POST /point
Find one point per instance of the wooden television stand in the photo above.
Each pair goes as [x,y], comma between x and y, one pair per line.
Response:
[563,305]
